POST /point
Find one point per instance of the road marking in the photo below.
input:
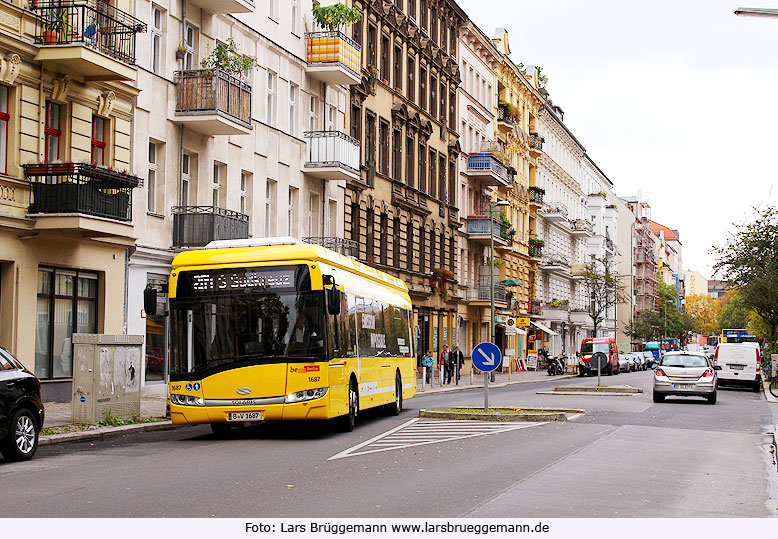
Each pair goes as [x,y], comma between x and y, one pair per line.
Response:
[421,431]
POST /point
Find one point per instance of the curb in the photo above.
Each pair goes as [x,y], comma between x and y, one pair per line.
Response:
[104,433]
[491,386]
[626,390]
[497,418]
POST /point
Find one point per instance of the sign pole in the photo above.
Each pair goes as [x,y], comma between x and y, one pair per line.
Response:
[486,392]
[486,358]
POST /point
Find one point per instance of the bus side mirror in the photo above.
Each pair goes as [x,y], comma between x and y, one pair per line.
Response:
[333,301]
[150,301]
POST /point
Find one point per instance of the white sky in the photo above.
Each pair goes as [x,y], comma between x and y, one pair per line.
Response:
[673,98]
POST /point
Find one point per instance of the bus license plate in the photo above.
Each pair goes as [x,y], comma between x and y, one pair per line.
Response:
[683,386]
[244,416]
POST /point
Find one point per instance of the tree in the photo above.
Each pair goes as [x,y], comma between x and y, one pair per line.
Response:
[704,312]
[749,261]
[734,312]
[334,17]
[673,323]
[646,326]
[604,288]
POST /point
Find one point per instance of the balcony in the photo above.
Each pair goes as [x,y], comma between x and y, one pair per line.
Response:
[71,195]
[478,230]
[218,7]
[535,249]
[580,317]
[213,102]
[555,213]
[482,294]
[535,144]
[533,308]
[506,118]
[196,226]
[609,246]
[331,155]
[536,195]
[339,245]
[333,57]
[556,264]
[488,169]
[90,38]
[582,228]
[556,313]
[578,271]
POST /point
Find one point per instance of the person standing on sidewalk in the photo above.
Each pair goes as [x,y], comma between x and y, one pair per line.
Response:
[458,361]
[426,362]
[444,364]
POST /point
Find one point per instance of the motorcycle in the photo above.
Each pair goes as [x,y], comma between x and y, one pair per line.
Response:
[556,366]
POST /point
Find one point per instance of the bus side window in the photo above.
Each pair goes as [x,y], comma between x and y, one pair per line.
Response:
[348,315]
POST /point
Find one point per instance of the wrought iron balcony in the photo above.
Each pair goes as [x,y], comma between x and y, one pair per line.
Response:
[535,249]
[503,115]
[331,155]
[609,245]
[536,195]
[533,307]
[213,102]
[88,37]
[483,292]
[536,142]
[196,226]
[479,229]
[339,245]
[67,188]
[488,168]
[333,57]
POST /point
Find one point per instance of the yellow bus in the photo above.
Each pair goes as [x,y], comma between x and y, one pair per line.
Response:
[274,329]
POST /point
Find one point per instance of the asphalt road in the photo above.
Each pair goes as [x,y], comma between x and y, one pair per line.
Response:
[626,457]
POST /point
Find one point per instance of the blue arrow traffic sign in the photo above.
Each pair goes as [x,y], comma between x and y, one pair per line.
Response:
[486,357]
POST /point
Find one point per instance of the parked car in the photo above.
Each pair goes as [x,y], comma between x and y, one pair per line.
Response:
[21,409]
[623,363]
[740,364]
[685,374]
[650,361]
[589,347]
[632,362]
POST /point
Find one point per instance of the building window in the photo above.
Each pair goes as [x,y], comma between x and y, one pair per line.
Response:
[272,11]
[423,14]
[422,176]
[151,179]
[396,242]
[385,51]
[4,119]
[355,211]
[370,141]
[372,37]
[369,235]
[398,67]
[383,239]
[156,39]
[98,140]
[433,96]
[67,304]
[383,146]
[433,24]
[190,46]
[330,120]
[442,192]
[452,107]
[356,122]
[423,88]
[313,107]
[292,109]
[411,78]
[186,177]
[245,189]
[422,248]
[332,219]
[216,186]
[52,131]
[294,17]
[313,215]
[291,212]
[409,244]
[443,110]
[270,202]
[270,117]
[397,157]
[409,144]
[432,187]
[412,9]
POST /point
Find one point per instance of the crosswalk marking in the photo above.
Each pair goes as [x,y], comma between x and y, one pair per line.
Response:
[421,431]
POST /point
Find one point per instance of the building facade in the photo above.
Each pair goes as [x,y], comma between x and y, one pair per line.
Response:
[696,283]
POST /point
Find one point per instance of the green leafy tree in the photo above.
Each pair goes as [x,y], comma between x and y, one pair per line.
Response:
[749,261]
[226,57]
[673,323]
[334,17]
[734,312]
[605,291]
[645,327]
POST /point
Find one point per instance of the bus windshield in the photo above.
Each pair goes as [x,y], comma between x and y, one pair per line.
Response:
[590,348]
[234,317]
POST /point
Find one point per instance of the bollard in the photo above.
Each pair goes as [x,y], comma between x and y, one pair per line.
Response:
[471,375]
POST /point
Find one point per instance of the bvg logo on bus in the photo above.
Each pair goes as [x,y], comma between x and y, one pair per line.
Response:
[306,368]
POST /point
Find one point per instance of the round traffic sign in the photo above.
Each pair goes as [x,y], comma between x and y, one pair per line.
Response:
[486,357]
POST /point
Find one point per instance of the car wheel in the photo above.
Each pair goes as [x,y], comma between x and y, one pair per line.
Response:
[221,429]
[397,406]
[712,398]
[658,397]
[349,420]
[617,371]
[758,385]
[21,442]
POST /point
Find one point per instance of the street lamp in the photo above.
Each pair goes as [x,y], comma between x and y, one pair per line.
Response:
[492,205]
[756,12]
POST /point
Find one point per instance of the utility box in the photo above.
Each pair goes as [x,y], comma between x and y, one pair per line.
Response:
[106,376]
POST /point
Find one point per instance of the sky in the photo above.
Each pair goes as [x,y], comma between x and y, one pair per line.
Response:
[676,99]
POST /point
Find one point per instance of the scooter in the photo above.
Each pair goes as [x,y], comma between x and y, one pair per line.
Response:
[556,366]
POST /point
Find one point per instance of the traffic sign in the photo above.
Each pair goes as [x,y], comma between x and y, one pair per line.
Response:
[486,357]
[510,326]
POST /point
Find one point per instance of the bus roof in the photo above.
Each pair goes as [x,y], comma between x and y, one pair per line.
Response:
[243,256]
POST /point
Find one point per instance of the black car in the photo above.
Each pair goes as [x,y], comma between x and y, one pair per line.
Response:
[21,409]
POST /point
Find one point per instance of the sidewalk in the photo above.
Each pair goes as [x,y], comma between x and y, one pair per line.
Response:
[154,403]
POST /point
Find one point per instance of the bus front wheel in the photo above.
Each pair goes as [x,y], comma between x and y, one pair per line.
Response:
[221,429]
[350,419]
[396,407]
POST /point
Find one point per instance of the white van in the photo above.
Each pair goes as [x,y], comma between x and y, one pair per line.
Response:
[740,364]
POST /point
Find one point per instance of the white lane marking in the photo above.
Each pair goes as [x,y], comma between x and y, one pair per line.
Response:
[419,431]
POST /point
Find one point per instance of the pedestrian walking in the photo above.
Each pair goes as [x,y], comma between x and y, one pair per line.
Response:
[445,364]
[426,362]
[459,361]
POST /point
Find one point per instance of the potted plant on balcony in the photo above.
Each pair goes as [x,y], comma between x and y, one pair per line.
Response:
[536,241]
[334,17]
[180,51]
[55,26]
[227,58]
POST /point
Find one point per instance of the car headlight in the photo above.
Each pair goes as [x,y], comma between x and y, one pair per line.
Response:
[306,395]
[187,400]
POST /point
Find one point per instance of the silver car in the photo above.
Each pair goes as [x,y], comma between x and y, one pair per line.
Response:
[685,374]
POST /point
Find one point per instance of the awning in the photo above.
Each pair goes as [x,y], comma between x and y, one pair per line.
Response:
[520,331]
[544,328]
[511,282]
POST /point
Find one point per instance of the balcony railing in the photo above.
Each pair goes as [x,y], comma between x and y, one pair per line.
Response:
[582,225]
[554,259]
[503,115]
[339,245]
[533,307]
[334,49]
[332,149]
[195,226]
[483,293]
[212,91]
[536,142]
[609,245]
[480,225]
[536,195]
[92,23]
[80,188]
[535,250]
[487,163]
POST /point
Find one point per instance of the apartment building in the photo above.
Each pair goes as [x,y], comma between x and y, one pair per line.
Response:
[234,155]
[564,228]
[67,75]
[401,210]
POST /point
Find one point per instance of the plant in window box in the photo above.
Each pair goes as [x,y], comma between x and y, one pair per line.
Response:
[536,241]
[227,58]
[180,52]
[443,273]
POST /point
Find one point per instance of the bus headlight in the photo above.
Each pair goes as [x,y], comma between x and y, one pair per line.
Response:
[306,395]
[186,400]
